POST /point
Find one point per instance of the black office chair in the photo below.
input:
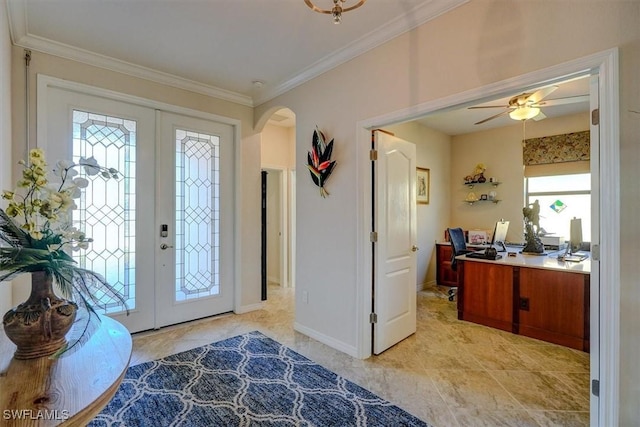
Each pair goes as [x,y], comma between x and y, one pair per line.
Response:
[459,247]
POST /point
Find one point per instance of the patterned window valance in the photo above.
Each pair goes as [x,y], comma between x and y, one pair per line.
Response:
[568,147]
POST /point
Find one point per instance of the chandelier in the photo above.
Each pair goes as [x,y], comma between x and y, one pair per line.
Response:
[337,9]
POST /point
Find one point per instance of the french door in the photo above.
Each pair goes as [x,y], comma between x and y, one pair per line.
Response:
[162,233]
[194,199]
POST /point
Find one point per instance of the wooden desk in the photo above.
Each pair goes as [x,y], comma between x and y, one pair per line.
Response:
[70,390]
[445,276]
[531,295]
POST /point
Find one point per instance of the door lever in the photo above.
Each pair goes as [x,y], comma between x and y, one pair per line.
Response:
[164,246]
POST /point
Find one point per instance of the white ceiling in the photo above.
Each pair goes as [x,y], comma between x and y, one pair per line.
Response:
[220,47]
[216,46]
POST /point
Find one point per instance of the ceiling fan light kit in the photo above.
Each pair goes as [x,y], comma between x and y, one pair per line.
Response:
[527,105]
[339,7]
[524,113]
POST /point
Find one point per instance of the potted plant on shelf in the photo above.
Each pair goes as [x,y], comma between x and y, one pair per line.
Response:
[36,235]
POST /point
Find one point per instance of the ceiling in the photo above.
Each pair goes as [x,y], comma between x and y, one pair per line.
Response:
[219,47]
[222,47]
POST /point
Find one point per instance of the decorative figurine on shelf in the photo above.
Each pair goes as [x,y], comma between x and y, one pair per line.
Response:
[477,175]
[532,229]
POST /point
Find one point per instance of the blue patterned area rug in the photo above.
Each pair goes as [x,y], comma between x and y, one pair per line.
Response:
[248,380]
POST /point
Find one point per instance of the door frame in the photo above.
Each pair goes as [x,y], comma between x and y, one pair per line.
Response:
[44,82]
[605,325]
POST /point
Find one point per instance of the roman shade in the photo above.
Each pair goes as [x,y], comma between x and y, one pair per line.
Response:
[563,154]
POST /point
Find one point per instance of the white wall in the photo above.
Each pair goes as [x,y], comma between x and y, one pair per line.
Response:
[433,151]
[5,130]
[479,43]
[501,151]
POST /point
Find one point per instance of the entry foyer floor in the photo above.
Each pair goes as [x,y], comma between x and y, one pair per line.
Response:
[449,373]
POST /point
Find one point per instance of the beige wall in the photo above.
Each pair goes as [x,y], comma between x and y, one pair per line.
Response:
[5,130]
[501,151]
[249,174]
[278,147]
[479,43]
[433,151]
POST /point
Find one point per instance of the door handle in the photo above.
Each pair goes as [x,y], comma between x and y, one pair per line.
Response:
[414,248]
[164,246]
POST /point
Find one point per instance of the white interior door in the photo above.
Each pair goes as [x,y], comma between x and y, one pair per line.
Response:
[195,200]
[394,253]
[117,215]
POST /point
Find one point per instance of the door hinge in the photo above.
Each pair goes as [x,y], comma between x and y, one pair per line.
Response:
[373,236]
[595,252]
[373,155]
[373,318]
[595,117]
[595,387]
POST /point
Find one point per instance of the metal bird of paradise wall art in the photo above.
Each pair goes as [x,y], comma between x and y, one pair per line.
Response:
[319,160]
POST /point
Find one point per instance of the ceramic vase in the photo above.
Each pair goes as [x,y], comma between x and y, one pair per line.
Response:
[39,325]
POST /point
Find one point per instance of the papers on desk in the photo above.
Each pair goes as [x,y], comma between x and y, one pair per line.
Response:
[577,257]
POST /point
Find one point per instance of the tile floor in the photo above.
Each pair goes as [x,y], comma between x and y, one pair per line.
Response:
[450,373]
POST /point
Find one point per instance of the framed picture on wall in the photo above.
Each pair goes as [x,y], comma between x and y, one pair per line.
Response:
[422,185]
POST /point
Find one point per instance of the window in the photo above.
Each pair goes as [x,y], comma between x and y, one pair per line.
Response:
[561,198]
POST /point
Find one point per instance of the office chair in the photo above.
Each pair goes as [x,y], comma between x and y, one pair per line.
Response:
[459,247]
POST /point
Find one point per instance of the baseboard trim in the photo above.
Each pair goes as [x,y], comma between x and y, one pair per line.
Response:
[248,308]
[423,285]
[273,279]
[324,339]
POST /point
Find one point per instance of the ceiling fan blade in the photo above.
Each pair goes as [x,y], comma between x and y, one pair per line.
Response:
[542,93]
[540,116]
[493,117]
[488,106]
[562,101]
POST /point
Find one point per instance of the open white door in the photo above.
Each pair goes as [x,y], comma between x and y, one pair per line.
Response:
[394,287]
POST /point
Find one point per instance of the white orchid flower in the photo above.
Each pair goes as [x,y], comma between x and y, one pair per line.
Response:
[80,182]
[55,200]
[91,166]
[60,167]
[74,192]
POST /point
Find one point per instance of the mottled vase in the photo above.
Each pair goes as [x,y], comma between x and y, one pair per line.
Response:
[38,326]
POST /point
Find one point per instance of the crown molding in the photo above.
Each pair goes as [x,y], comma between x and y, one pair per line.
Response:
[420,14]
[18,26]
[395,27]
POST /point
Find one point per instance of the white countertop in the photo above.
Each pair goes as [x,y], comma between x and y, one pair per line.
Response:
[547,261]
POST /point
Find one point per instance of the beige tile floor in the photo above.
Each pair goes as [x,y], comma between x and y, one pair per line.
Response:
[449,373]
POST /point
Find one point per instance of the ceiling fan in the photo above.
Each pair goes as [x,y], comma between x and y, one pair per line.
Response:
[527,105]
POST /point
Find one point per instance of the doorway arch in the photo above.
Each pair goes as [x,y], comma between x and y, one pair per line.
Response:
[278,129]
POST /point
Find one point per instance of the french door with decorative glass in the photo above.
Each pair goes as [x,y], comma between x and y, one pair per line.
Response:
[194,205]
[162,233]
